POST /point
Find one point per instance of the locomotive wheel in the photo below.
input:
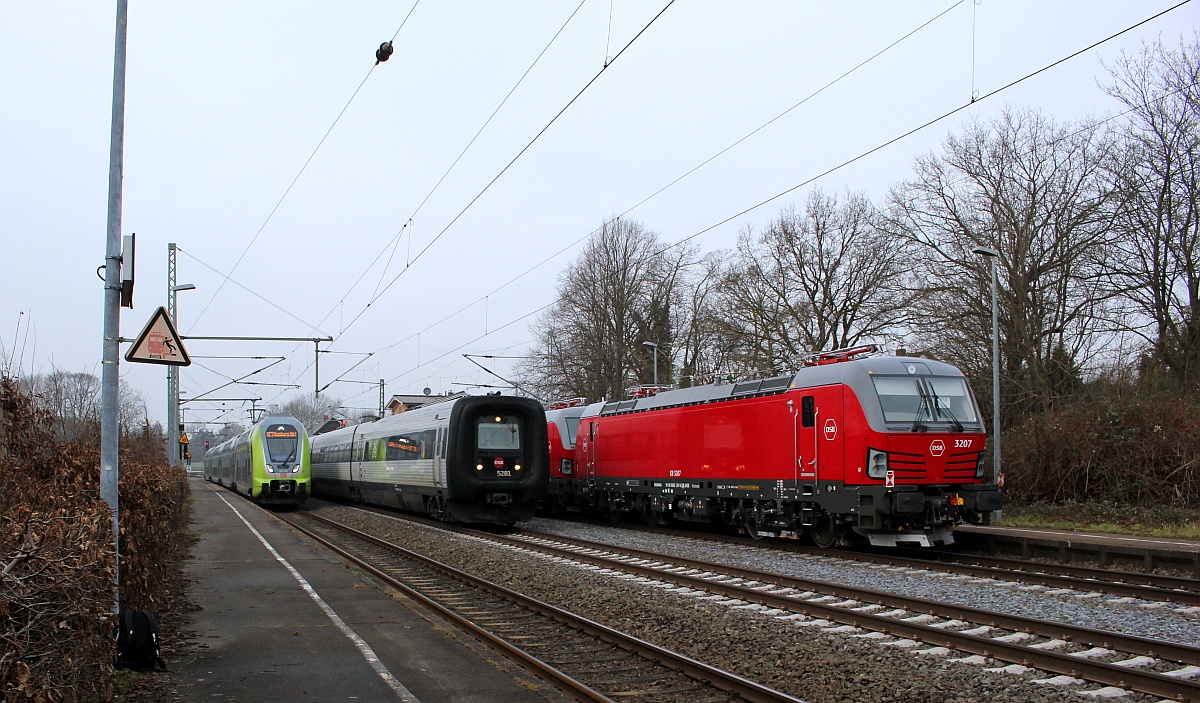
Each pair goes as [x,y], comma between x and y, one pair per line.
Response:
[823,533]
[750,525]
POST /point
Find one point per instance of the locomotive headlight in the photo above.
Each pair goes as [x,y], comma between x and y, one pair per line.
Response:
[877,464]
[979,466]
[516,467]
[269,468]
[296,468]
[479,467]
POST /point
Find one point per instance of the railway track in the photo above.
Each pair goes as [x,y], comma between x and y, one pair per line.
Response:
[1148,666]
[1155,588]
[586,660]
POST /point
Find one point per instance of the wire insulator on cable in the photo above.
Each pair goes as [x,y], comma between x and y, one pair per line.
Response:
[383,53]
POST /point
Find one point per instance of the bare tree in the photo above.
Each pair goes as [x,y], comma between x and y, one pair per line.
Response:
[1157,178]
[73,399]
[313,412]
[827,278]
[1034,192]
[620,292]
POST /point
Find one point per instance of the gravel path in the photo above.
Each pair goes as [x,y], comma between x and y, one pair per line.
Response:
[805,662]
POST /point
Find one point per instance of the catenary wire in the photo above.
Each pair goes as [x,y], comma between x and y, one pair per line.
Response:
[291,185]
[871,151]
[675,181]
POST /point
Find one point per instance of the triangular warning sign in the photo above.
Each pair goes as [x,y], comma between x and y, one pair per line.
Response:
[159,343]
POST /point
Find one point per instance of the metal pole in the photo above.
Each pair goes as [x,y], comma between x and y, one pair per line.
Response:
[381,404]
[656,365]
[995,375]
[172,371]
[110,364]
[316,369]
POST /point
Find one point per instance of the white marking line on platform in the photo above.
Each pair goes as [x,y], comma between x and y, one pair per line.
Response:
[369,654]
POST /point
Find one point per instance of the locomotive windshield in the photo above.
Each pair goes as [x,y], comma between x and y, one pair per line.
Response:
[283,442]
[498,432]
[915,398]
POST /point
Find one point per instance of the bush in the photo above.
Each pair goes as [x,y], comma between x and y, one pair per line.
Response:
[1143,451]
[56,556]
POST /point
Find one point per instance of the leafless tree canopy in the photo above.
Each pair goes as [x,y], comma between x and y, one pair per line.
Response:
[312,412]
[73,399]
[623,290]
[1033,191]
[826,278]
[1156,177]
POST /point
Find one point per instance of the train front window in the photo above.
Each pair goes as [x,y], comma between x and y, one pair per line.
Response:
[497,432]
[283,442]
[900,397]
[572,428]
[953,399]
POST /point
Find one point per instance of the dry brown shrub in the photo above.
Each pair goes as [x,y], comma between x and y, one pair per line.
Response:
[56,554]
[1142,451]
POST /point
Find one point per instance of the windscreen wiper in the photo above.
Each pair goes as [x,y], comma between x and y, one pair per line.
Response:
[917,426]
[937,408]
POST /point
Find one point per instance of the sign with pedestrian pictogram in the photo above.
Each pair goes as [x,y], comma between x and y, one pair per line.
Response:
[159,343]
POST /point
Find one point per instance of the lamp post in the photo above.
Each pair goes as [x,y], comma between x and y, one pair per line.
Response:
[653,346]
[992,256]
[173,414]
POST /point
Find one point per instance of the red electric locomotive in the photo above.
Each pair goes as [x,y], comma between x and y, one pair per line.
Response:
[882,448]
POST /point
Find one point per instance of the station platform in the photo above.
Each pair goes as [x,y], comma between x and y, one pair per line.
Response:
[1129,552]
[283,619]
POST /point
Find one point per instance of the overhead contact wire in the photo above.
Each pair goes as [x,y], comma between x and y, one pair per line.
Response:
[510,163]
[298,175]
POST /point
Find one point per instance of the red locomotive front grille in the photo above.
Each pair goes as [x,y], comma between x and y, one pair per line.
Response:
[934,458]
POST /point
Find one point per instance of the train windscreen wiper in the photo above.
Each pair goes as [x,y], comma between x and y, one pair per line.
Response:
[917,426]
[937,408]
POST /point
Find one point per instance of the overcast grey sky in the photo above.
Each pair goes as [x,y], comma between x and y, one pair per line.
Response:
[227,101]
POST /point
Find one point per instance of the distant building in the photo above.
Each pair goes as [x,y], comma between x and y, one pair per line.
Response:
[404,403]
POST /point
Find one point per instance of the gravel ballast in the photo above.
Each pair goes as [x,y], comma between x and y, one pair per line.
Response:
[802,661]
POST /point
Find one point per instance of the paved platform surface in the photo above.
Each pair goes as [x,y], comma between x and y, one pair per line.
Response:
[282,619]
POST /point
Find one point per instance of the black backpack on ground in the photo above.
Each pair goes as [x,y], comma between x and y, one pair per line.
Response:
[137,641]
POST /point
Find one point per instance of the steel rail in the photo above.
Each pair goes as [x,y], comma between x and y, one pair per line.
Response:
[1152,587]
[726,681]
[1123,677]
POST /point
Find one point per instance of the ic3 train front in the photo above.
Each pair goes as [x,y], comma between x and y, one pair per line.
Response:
[472,459]
[886,449]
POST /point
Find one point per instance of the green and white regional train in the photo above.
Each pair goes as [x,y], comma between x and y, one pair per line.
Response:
[268,463]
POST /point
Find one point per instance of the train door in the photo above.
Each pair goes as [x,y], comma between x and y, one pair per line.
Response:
[439,458]
[806,442]
[589,449]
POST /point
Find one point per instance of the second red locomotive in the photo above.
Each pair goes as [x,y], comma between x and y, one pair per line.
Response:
[882,448]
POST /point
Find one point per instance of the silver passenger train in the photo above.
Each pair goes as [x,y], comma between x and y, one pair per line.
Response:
[472,459]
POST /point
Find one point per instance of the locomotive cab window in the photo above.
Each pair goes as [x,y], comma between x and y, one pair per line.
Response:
[900,397]
[497,432]
[808,411]
[953,399]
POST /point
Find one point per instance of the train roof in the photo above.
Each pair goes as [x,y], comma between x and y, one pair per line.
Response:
[853,372]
